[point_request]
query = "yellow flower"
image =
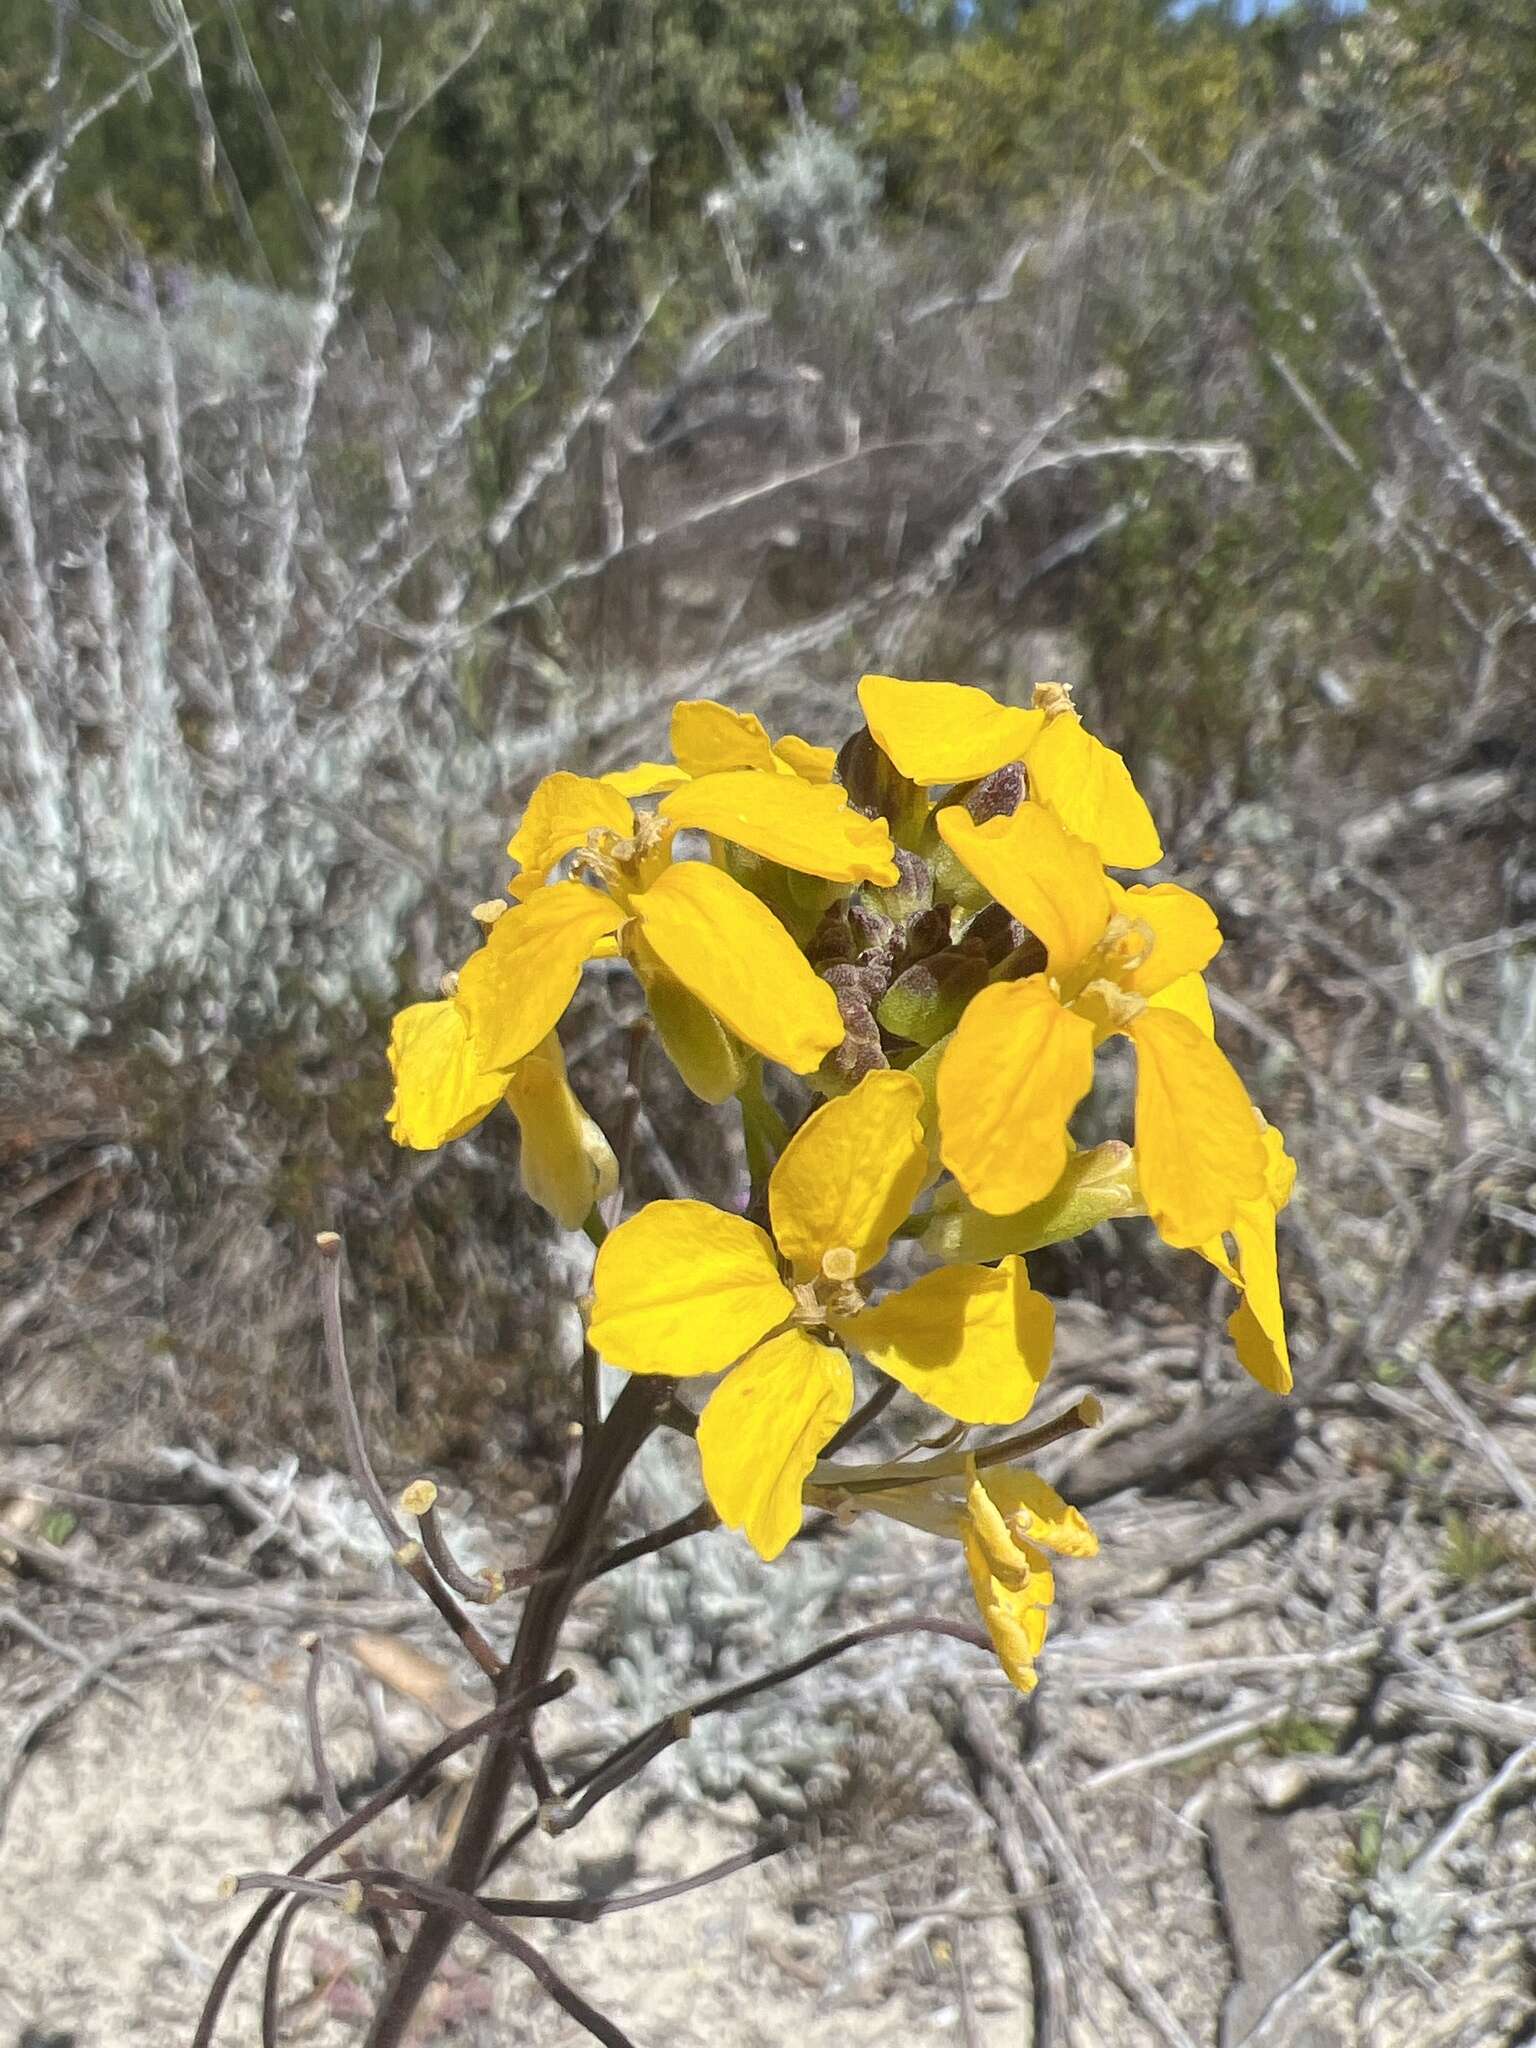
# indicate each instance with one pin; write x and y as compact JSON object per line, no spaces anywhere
{"x":711,"y":739}
{"x":949,"y":732}
{"x":684,"y":1288}
{"x":689,"y":929}
{"x":567,"y":1164}
{"x":1005,"y":1518}
{"x":1021,"y":1059}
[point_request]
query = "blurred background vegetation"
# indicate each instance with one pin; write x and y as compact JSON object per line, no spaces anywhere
{"x":399,"y":398}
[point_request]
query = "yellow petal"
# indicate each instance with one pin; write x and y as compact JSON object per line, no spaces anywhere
{"x":1098,"y":1184}
{"x":1050,"y":881}
{"x":736,"y":957}
{"x":1257,"y":1325}
{"x":696,"y":1042}
{"x":1036,"y":1512}
{"x":560,"y":813}
{"x":440,"y":1090}
{"x":1187,"y":997}
{"x":1015,"y":1070}
{"x":945,"y":732}
{"x":1279,"y":1168}
{"x":850,"y":1174}
{"x":567,"y":1164}
{"x":1090,"y":789}
{"x":1198,"y":1149}
{"x":646,"y":778}
{"x":762,"y":1431}
{"x":806,"y":826}
{"x":709,"y":737}
{"x":1014,"y":1613}
{"x":973,"y":1341}
{"x":514,"y":991}
{"x":681,"y":1287}
{"x":811,"y":764}
{"x":1185,"y":934}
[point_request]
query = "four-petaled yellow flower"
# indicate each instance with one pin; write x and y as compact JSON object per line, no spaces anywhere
{"x":683,"y":1288}
{"x":1021,"y":1059}
{"x":688,"y":928}
{"x":1006,"y":1519}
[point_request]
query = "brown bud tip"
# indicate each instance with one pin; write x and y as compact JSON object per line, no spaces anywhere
{"x":682,"y":1724}
{"x":1090,"y":1411}
{"x":419,"y":1498}
{"x":999,"y":794}
{"x":552,"y":1819}
{"x":327,"y":1243}
{"x":227,"y":1887}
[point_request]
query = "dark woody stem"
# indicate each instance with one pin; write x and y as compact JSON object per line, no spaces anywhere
{"x":564,"y":1567}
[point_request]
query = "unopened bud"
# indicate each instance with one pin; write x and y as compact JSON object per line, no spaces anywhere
{"x":999,"y":794}
{"x":929,"y":999}
{"x":927,"y":932}
{"x":877,"y":788}
{"x":911,"y":892}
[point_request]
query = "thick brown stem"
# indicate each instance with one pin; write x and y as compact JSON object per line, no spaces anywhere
{"x":564,"y":1567}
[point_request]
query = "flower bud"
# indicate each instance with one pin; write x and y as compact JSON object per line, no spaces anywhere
{"x":911,"y":893}
{"x":926,"y":932}
{"x":861,"y":1051}
{"x":876,"y":788}
{"x":953,"y":882}
{"x":1097,"y":1185}
{"x":929,"y":998}
{"x":999,"y":794}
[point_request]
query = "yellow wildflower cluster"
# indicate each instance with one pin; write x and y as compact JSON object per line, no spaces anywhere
{"x":923,"y":927}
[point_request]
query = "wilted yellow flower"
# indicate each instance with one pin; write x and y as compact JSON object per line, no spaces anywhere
{"x":683,"y":1288}
{"x":440,"y":1094}
{"x":1117,"y":961}
{"x":1006,"y":1519}
{"x":950,"y":732}
{"x":686,"y":926}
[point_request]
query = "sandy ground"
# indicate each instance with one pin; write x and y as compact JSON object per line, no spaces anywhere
{"x":123,"y":1827}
